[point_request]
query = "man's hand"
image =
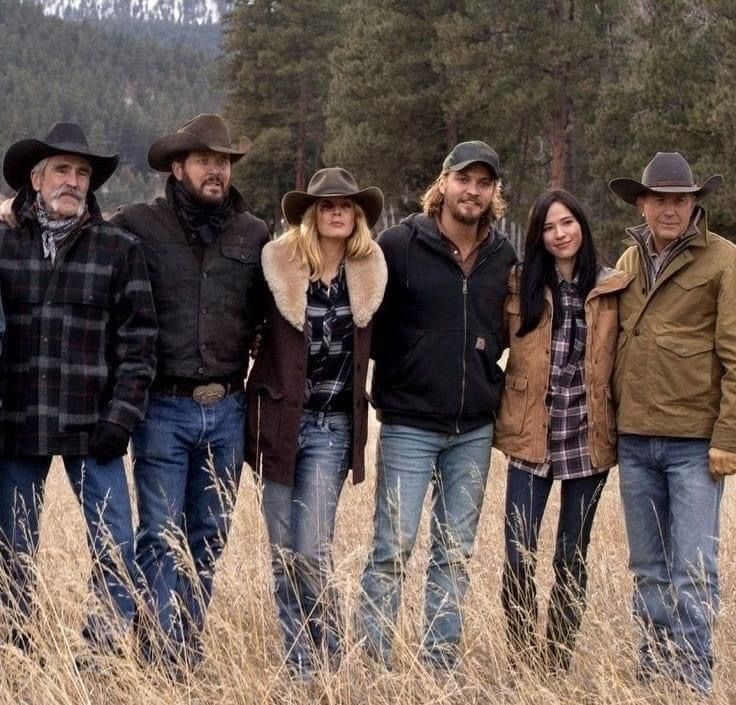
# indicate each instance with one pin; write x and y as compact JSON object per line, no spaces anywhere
{"x":722,"y":463}
{"x":108,"y":441}
{"x":6,"y":213}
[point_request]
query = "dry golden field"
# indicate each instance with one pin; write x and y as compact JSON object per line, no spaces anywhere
{"x":244,"y":657}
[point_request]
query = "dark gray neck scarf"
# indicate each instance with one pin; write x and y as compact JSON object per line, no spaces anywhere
{"x":54,"y":233}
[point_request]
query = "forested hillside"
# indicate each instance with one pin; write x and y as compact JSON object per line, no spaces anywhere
{"x":125,"y":91}
{"x":570,"y":93}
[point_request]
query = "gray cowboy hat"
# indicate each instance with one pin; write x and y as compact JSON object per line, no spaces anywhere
{"x":63,"y":138}
{"x":668,"y":172}
{"x":206,"y":132}
{"x":333,"y":182}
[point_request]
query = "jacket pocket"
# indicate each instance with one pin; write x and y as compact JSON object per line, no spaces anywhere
{"x":683,"y":369}
{"x":86,"y":381}
{"x":513,"y":405}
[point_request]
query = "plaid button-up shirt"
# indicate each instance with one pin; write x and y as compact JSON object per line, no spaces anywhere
{"x":80,"y":339}
{"x":567,"y":441}
{"x":329,"y":383}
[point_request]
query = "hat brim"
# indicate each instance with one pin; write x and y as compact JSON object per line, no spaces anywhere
{"x":23,"y":155}
{"x":164,"y":150}
{"x":629,"y":189}
{"x":295,"y":203}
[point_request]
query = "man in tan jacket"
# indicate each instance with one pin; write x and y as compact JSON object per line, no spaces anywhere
{"x":675,"y":386}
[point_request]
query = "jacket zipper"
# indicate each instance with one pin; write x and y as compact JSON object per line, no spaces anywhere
{"x":479,"y":262}
{"x":465,"y":345}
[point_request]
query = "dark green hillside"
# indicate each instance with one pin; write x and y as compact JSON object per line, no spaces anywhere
{"x":125,"y":91}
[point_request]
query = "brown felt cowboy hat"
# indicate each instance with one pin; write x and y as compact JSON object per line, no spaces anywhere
{"x":206,"y":132}
{"x":63,"y":138}
{"x":333,"y":182}
{"x":668,"y":172}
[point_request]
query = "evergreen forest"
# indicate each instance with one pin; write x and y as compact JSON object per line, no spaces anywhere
{"x":570,"y":93}
{"x":125,"y":88}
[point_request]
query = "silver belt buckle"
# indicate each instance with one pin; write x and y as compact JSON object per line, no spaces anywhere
{"x":208,"y":394}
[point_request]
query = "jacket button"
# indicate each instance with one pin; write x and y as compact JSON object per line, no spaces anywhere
{"x":636,"y":331}
{"x":204,"y":275}
{"x":204,"y":309}
{"x":201,"y":370}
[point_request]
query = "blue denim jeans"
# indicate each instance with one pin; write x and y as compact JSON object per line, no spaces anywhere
{"x":188,"y":462}
{"x":672,"y":512}
{"x":526,"y":499}
{"x":409,"y":461}
{"x":102,"y":491}
{"x":301,"y":524}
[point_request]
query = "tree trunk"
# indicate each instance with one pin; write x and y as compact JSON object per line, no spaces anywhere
{"x":301,"y":137}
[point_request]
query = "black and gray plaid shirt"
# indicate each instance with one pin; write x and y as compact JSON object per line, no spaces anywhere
{"x":567,"y":441}
{"x":81,"y":335}
{"x":329,"y":383}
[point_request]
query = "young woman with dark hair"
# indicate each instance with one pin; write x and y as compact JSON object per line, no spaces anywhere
{"x":556,"y":420}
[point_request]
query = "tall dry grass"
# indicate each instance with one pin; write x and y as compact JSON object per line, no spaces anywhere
{"x":244,"y":662}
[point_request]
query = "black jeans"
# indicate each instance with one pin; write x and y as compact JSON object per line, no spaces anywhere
{"x":526,"y":499}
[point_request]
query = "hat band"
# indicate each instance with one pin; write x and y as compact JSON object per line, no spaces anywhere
{"x":670,"y":183}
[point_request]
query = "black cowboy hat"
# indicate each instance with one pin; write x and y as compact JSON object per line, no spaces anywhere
{"x":63,"y":138}
{"x":333,"y":182}
{"x":668,"y":172}
{"x":206,"y":132}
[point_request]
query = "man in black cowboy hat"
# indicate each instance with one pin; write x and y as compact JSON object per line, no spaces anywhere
{"x":202,"y":249}
{"x":675,"y":385}
{"x":77,"y":361}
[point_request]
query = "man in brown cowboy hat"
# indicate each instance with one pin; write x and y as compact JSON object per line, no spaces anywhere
{"x":77,"y":360}
{"x":675,"y":385}
{"x":203,"y":252}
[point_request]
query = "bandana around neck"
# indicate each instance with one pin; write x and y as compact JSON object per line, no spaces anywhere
{"x":54,"y":232}
{"x":205,"y":221}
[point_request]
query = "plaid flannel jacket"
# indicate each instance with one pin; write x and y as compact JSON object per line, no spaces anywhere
{"x":80,"y":339}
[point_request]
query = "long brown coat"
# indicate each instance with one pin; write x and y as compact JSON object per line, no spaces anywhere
{"x":275,"y":389}
{"x":521,"y":426}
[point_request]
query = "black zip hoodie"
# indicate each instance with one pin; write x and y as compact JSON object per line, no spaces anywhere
{"x":438,"y":334}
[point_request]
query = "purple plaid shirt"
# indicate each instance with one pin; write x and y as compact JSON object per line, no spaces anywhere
{"x":567,"y":440}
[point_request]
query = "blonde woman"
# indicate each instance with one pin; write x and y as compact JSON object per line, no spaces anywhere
{"x":307,"y":408}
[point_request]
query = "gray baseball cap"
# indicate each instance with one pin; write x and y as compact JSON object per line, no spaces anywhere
{"x":467,"y":153}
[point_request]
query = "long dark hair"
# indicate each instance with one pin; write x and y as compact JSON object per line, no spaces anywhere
{"x":538,"y":270}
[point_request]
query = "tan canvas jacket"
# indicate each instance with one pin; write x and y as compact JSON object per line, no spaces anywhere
{"x":521,"y":426}
{"x":675,"y":369}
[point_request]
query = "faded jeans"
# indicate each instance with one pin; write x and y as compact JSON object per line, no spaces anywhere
{"x":409,"y":461}
{"x":102,"y":491}
{"x":301,"y":524}
{"x":188,"y":462}
{"x":672,"y":512}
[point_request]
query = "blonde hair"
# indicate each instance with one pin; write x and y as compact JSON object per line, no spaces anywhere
{"x":432,"y":200}
{"x":304,"y":240}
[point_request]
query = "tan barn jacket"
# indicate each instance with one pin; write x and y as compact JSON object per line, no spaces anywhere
{"x":521,"y":426}
{"x":675,"y":369}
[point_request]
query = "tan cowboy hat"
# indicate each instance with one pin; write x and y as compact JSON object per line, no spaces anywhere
{"x":205,"y":132}
{"x":333,"y":182}
{"x":668,"y":172}
{"x":63,"y":138}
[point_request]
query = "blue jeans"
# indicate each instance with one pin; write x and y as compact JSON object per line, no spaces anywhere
{"x":526,"y":499}
{"x":188,"y":462}
{"x":301,"y":524}
{"x":102,"y":491}
{"x":409,"y":460}
{"x":672,"y":512}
